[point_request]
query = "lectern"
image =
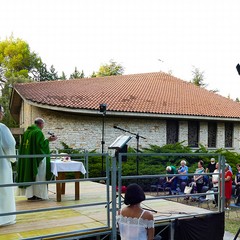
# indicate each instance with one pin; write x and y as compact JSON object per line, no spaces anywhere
{"x":120,"y":145}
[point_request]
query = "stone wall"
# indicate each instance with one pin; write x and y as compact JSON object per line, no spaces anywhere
{"x":220,"y":135}
{"x":79,"y":131}
{"x":183,"y":132}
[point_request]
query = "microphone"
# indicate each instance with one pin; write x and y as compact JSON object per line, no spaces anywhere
{"x":51,"y":134}
{"x":116,"y":127}
{"x":151,"y":210}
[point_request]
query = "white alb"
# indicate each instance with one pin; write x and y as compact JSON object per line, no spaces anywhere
{"x":134,"y":228}
{"x":7,"y":200}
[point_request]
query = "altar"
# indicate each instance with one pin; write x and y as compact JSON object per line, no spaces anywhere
{"x":59,"y":168}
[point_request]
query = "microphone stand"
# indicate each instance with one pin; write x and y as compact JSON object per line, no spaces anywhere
{"x":146,"y":207}
{"x":137,"y":137}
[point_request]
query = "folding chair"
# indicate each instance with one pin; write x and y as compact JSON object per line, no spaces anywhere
{"x":159,"y":186}
{"x":205,"y":198}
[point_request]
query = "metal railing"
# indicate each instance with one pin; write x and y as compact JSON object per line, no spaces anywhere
{"x":112,"y":178}
{"x":77,"y":157}
{"x":117,"y":174}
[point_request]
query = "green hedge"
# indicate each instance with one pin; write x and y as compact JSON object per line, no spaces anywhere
{"x":157,"y":165}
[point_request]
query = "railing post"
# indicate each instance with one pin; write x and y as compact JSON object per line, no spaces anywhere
{"x":222,"y":184}
{"x":86,"y":159}
{"x":114,"y":200}
{"x":172,"y":230}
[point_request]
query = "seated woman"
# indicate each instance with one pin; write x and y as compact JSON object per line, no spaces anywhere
{"x":182,"y":170}
{"x":134,"y":222}
{"x":171,"y":182}
{"x":198,"y":179}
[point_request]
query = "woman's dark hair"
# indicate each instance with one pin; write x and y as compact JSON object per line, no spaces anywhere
{"x":134,"y":194}
{"x":201,"y":162}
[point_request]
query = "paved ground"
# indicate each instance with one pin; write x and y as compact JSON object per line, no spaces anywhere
{"x":229,"y":236}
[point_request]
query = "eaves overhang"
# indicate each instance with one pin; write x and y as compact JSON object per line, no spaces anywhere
{"x":15,"y":104}
{"x":132,"y":114}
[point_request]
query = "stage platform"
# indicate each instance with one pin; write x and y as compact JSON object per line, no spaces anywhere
{"x":37,"y":224}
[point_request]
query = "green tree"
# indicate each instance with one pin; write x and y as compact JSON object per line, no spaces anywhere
{"x":63,"y":76}
{"x":53,"y":73}
{"x":93,"y":75}
{"x":43,"y":74}
{"x":113,"y":68}
{"x":198,"y":78}
{"x":17,"y":60}
{"x":2,"y":77}
{"x":19,"y":64}
{"x":76,"y":74}
{"x":5,"y":98}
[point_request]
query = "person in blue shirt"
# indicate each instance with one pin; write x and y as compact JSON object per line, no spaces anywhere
{"x":182,"y":170}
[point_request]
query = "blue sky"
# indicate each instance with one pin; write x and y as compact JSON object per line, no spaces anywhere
{"x":143,"y":36}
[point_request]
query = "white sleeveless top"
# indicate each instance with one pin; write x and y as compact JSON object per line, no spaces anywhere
{"x":134,"y":228}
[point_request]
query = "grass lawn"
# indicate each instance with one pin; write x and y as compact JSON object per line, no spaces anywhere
{"x":232,"y":221}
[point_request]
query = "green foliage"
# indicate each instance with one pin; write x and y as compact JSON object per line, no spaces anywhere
{"x":169,"y":148}
{"x":151,"y":165}
{"x":43,"y":74}
{"x":231,"y":157}
{"x":202,"y":149}
{"x":19,"y":64}
{"x":16,"y":58}
{"x":63,"y":76}
{"x":93,"y":75}
{"x":198,"y":78}
{"x":76,"y":74}
{"x":232,"y":223}
{"x":5,"y":98}
{"x":110,"y":69}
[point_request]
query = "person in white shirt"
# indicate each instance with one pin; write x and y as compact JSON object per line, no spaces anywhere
{"x":215,"y":179}
{"x":134,"y":222}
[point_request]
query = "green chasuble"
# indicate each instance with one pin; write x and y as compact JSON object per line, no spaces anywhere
{"x":33,"y":142}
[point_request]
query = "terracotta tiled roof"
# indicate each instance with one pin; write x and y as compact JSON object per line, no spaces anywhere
{"x":158,"y":93}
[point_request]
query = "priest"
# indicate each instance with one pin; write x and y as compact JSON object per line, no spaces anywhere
{"x":7,"y":148}
{"x":34,"y":169}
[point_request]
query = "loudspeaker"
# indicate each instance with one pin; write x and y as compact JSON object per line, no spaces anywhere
{"x":103,"y":107}
{"x":238,"y":68}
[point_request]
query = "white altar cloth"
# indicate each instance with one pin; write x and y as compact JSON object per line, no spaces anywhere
{"x":72,"y":166}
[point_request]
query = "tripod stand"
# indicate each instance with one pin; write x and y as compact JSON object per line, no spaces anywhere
{"x":103,"y":109}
